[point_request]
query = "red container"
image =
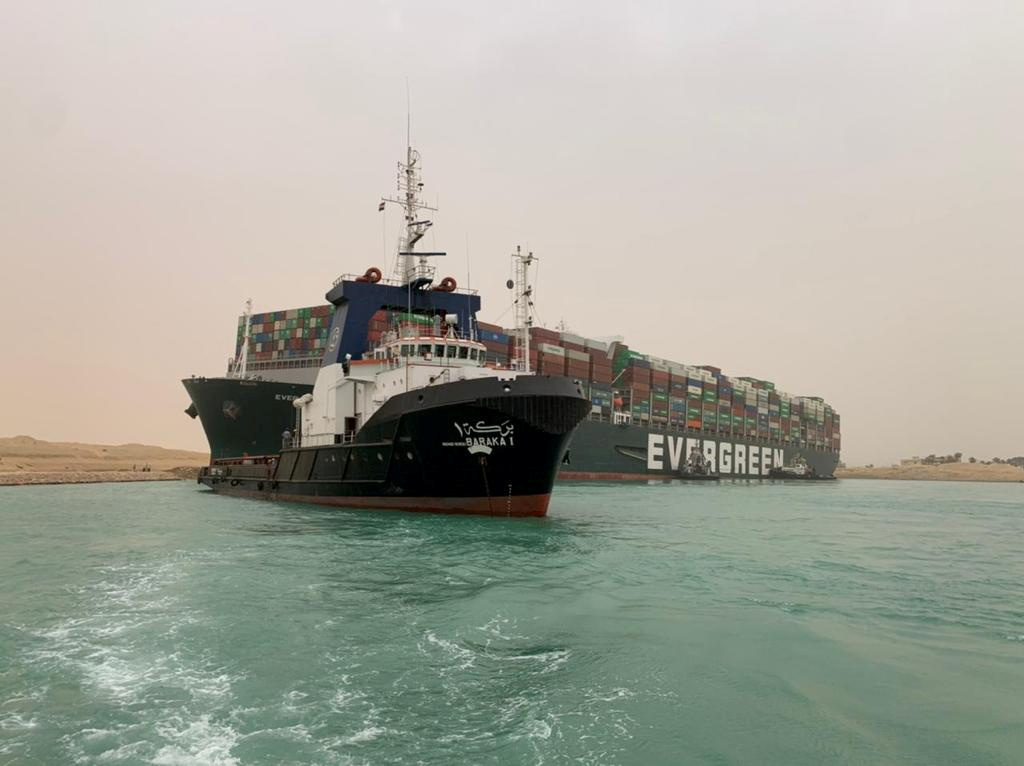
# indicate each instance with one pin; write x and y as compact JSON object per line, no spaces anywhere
{"x":545,"y":336}
{"x":636,"y":375}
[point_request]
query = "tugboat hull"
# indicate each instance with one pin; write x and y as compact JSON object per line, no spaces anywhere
{"x":485,"y":446}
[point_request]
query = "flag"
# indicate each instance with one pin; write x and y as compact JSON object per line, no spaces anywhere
{"x":380,"y":207}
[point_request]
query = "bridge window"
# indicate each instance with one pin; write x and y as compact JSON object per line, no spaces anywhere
{"x":453,"y":351}
{"x":463,"y":352}
{"x":439,"y":351}
{"x":406,"y":349}
{"x":423,"y":350}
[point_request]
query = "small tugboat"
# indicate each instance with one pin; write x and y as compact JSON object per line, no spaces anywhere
{"x":420,"y":422}
{"x":697,"y":467}
{"x":798,"y":470}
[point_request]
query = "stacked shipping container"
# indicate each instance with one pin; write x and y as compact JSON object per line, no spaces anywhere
{"x":286,"y":337}
{"x":655,"y":392}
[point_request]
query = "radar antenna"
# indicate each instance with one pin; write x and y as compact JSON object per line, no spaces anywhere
{"x":412,"y":267}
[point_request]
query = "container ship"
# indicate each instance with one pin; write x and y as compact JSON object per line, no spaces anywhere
{"x":647,"y":415}
{"x":413,"y":419}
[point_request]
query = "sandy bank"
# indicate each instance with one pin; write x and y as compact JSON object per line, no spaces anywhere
{"x":23,"y":454}
{"x":20,"y":478}
{"x":24,"y":460}
{"x":948,"y":472}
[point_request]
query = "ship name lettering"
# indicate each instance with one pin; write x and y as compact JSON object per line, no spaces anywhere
{"x":490,"y":441}
{"x":741,"y":458}
{"x":655,"y":451}
{"x":725,"y":457}
{"x":665,"y":452}
{"x":675,"y":452}
{"x":711,"y":455}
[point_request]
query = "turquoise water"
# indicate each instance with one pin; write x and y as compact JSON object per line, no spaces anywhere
{"x":855,"y":623}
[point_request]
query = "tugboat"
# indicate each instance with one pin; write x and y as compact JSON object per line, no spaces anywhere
{"x":798,"y":470}
{"x":420,"y":422}
{"x":697,"y":467}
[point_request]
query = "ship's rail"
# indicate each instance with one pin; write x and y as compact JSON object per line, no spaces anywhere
{"x":391,"y":282}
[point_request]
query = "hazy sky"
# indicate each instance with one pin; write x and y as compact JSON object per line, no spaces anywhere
{"x":828,"y":195}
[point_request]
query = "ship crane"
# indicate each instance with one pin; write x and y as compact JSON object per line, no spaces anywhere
{"x":240,"y":365}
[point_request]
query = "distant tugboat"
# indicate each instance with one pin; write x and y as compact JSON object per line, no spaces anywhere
{"x":697,"y":467}
{"x":799,"y":470}
{"x":421,"y":422}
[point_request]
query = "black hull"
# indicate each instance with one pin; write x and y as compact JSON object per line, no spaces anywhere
{"x":244,"y":417}
{"x":599,"y":450}
{"x":781,"y":476}
{"x":463,"y":447}
{"x":603,"y":451}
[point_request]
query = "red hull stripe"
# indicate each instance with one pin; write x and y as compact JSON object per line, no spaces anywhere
{"x":609,"y":476}
{"x":518,"y":505}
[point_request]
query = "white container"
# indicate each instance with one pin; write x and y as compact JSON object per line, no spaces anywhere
{"x":549,"y":348}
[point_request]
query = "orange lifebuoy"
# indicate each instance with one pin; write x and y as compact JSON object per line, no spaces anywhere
{"x":448,"y":285}
{"x":373,"y":275}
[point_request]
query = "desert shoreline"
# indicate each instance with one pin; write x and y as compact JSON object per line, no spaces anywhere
{"x":42,"y":478}
{"x":28,"y":461}
{"x":947,"y":472}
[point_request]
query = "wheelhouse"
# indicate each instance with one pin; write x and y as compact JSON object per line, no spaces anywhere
{"x":450,"y":351}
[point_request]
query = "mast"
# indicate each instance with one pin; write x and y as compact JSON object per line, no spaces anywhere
{"x":240,"y":367}
{"x":412,"y":266}
{"x":523,"y":303}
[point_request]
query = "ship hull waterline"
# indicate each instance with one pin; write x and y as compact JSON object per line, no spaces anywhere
{"x":466,"y":447}
{"x":598,"y":451}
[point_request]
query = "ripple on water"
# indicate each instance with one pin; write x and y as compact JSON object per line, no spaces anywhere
{"x":637,"y":625}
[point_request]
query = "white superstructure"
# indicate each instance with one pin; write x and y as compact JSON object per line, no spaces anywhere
{"x":343,"y":400}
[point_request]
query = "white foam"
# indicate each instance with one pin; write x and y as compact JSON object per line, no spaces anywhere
{"x":16,"y":722}
{"x":367,"y":734}
{"x":196,"y":743}
{"x":343,"y":697}
{"x":457,"y":652}
{"x":610,"y":696}
{"x":551,"y":660}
